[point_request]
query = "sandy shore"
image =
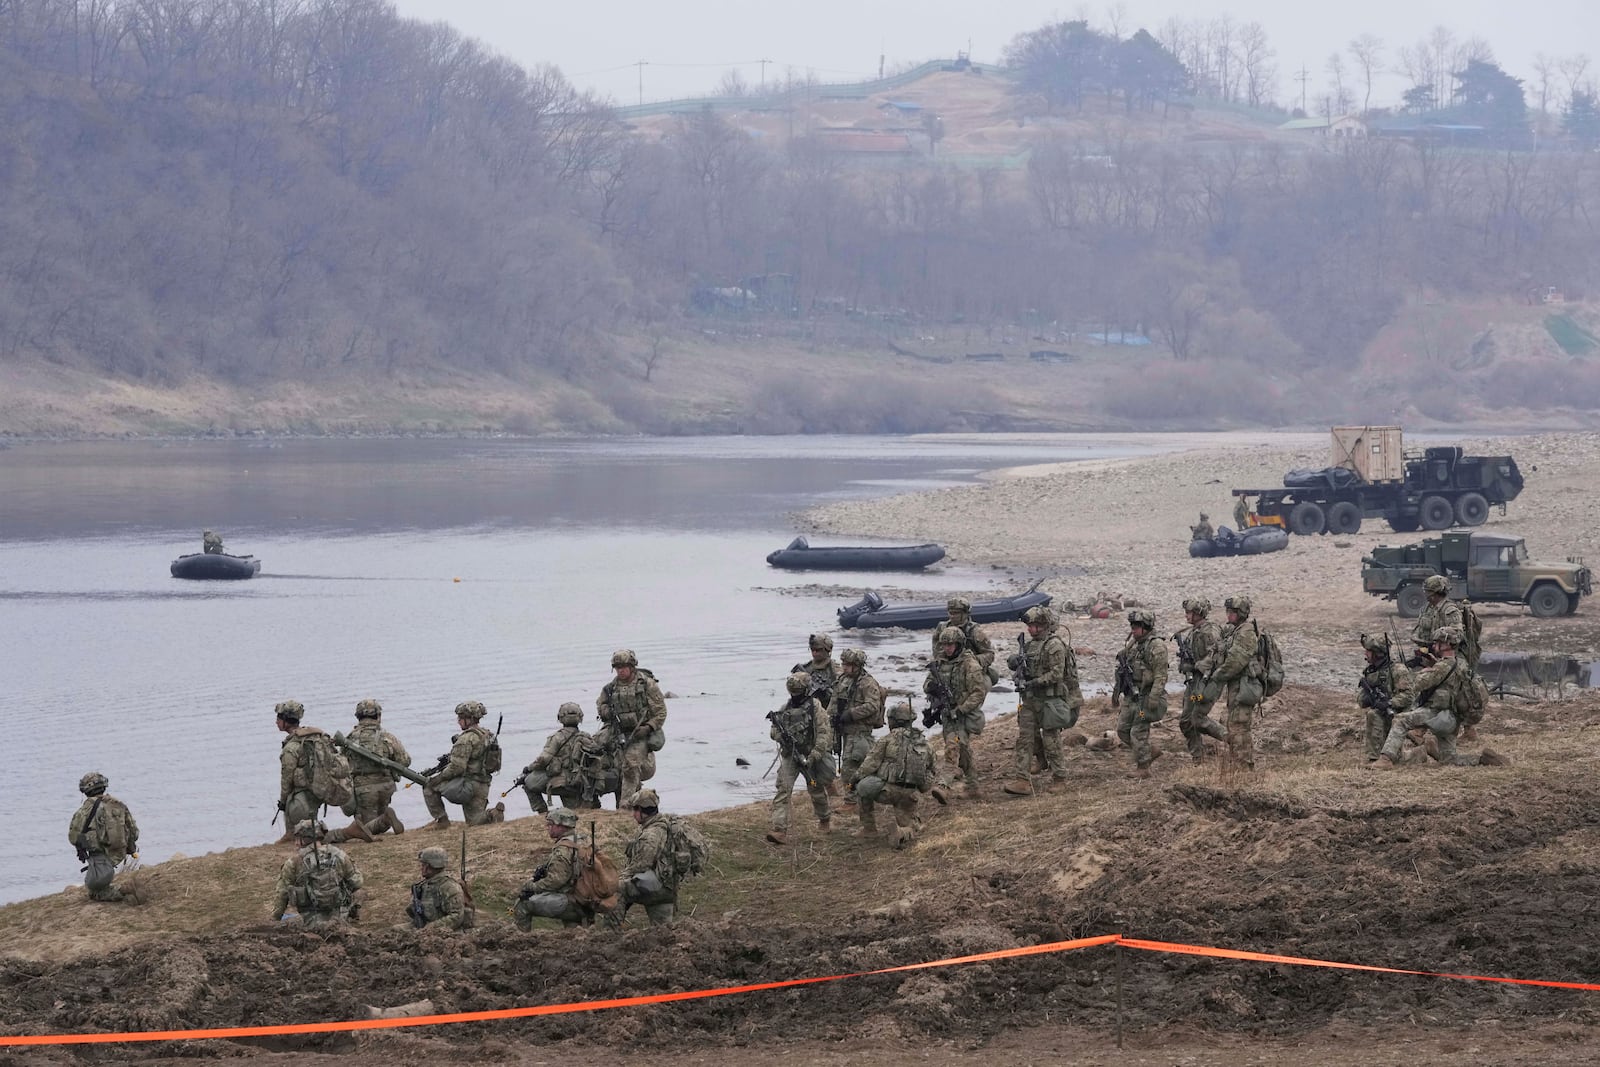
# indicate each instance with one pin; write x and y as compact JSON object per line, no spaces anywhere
{"x":1122,"y":526}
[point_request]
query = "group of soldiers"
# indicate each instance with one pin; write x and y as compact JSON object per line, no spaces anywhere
{"x":825,"y":733}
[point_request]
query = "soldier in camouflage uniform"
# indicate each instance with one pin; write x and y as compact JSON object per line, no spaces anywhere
{"x":1202,"y":530}
{"x":857,"y":711}
{"x":805,"y":741}
{"x":1049,"y":697}
{"x":548,"y":894}
{"x":1143,"y":664}
{"x":1440,"y":612}
{"x":439,"y":898}
{"x":1199,"y":646}
{"x":319,"y":880}
{"x":210,"y":543}
{"x":1241,"y":514}
{"x":466,"y":775}
{"x":632,"y":708}
{"x":648,"y":875}
{"x":896,"y":772}
{"x":1385,"y":691}
{"x":295,"y":798}
{"x":959,"y":609}
{"x":374,"y":783}
{"x":1234,"y":674}
{"x":956,"y":687}
{"x":560,"y":770}
{"x":104,"y":833}
{"x":1435,"y":688}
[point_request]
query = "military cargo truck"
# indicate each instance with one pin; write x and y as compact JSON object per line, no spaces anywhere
{"x":1482,"y":568}
{"x":1369,"y":476}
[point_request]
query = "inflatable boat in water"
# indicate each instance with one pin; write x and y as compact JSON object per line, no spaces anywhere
{"x":215,"y":566}
{"x":799,"y":555}
{"x":870,"y":611}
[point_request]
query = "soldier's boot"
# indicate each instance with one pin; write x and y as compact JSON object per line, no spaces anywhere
{"x":868,"y":827}
{"x":1036,"y":765}
{"x":1018,"y":787}
{"x":357,"y":830}
{"x":897,"y":838}
{"x":109,"y":895}
{"x":393,"y":819}
{"x":1382,"y":763}
{"x":497,"y":813}
{"x":777,"y":837}
{"x":1490,"y":758}
{"x":1055,"y":785}
{"x":1431,"y":745}
{"x":941,"y":794}
{"x":441,"y":823}
{"x":825,"y":824}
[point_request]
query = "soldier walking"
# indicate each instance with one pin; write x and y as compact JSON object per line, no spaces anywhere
{"x":634,"y":711}
{"x":1141,"y":688}
{"x":1049,"y":698}
{"x":104,"y":833}
{"x":956,"y":686}
{"x":805,"y":739}
{"x":464,"y":778}
{"x":1199,"y":645}
{"x":896,"y":772}
{"x":857,"y":712}
{"x":319,"y":880}
{"x":373,"y":783}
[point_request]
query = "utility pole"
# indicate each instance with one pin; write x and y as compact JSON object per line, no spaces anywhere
{"x":1302,"y":76}
{"x":763,"y":63}
{"x":641,"y":64}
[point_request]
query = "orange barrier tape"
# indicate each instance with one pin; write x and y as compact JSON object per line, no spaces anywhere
{"x":1301,"y":961}
{"x":542,"y":1009}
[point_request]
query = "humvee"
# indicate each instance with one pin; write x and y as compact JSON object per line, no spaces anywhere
{"x":1482,"y":568}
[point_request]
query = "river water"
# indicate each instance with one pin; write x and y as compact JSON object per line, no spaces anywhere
{"x":422,"y":573}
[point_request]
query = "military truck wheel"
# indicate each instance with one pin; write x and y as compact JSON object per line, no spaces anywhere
{"x":1306,"y":518}
{"x":1436,"y":513}
{"x":1410,"y":600}
{"x":1407,"y":524}
{"x":1472,"y":509}
{"x":1547,"y":601}
{"x":1344,"y":518}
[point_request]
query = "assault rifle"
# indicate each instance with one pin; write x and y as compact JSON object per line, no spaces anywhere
{"x":1184,"y":639}
{"x":788,"y":745}
{"x":418,"y":918}
{"x":940,"y":700}
{"x":422,"y":778}
{"x":1376,"y":697}
{"x":88,"y":825}
{"x":819,"y":689}
{"x":341,"y":741}
{"x":1124,"y":684}
{"x":1021,"y":672}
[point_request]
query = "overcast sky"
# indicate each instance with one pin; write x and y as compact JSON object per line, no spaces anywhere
{"x":689,"y":44}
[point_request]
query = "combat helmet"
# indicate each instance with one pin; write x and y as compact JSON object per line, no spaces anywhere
{"x":310,"y":829}
{"x":1378,"y":643}
{"x":569,"y":714}
{"x":624,"y":657}
{"x":93,"y":784}
{"x":1200,"y":605}
{"x":1449,"y":635}
{"x":901,"y":713}
{"x":958,"y":605}
{"x":821,"y":641}
{"x":563,"y":817}
{"x":1038,"y":615}
{"x":471,"y":709}
{"x":289,"y":710}
{"x":1436,"y":583}
{"x":1141,"y":617}
{"x":1239,"y":605}
{"x":645,"y":799}
{"x":952,"y":635}
{"x":434,"y":857}
{"x":853,"y":657}
{"x":799,"y":682}
{"x":369,"y":709}
{"x":1204,"y":517}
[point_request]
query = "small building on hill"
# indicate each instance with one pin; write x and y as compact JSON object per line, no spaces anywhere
{"x":1341,"y":126}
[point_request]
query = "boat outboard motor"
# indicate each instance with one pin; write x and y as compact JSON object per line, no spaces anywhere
{"x":870,"y":601}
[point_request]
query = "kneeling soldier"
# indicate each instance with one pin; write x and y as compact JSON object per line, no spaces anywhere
{"x":548,"y":894}
{"x":319,"y":880}
{"x":896,"y":772}
{"x":104,"y":833}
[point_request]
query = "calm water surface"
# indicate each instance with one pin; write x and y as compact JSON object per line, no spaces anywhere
{"x":422,"y":573}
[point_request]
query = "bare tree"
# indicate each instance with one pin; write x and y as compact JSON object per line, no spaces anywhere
{"x":1544,"y":76}
{"x":1367,"y":51}
{"x":1338,"y":102}
{"x":1255,"y":63}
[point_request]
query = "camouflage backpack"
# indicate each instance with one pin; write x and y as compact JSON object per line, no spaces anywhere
{"x":1471,"y":632}
{"x":597,"y":878}
{"x":688,"y":851}
{"x":1268,"y":663}
{"x":493,"y":757}
{"x":1471,"y":699}
{"x":328,"y":770}
{"x":909,"y":761}
{"x":323,"y":889}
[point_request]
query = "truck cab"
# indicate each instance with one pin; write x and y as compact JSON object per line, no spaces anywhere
{"x":1482,"y":568}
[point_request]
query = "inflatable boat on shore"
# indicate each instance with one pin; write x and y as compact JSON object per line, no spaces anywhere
{"x":1252,"y":542}
{"x":870,"y":611}
{"x":215,"y":566}
{"x":799,"y":555}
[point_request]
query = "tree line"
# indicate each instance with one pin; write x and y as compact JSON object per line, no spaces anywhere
{"x":260,"y":189}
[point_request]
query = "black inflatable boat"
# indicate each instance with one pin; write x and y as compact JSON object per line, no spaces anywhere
{"x":799,"y":555}
{"x":215,"y":566}
{"x":1252,"y":542}
{"x":870,"y":611}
